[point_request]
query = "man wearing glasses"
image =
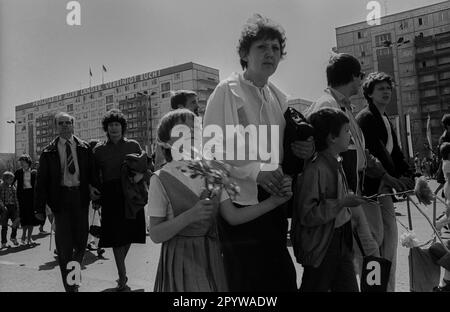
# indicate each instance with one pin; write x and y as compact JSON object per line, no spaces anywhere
{"x":62,"y":182}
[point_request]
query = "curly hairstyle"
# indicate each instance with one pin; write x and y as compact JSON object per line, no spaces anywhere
{"x":373,"y":79}
{"x":341,"y":69}
{"x":26,"y":158}
{"x":114,"y":115}
{"x":326,"y":121}
{"x":167,"y":123}
{"x":256,"y":28}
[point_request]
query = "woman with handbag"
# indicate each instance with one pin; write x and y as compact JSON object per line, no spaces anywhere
{"x":117,"y":230}
{"x":255,"y":253}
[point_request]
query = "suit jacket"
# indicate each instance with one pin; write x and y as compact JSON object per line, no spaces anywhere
{"x":19,"y":176}
{"x":48,"y":180}
{"x":375,"y":135}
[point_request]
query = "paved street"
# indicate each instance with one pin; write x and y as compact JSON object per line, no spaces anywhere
{"x":35,"y":269}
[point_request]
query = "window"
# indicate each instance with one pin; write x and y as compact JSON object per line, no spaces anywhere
{"x":135,"y":86}
{"x":431,"y":92}
{"x":109,"y":99}
{"x":165,"y":86}
{"x":384,"y":52}
{"x":30,"y":116}
{"x":177,"y":76}
{"x":404,"y":24}
{"x":359,"y":35}
{"x":383,"y":40}
{"x":165,"y":95}
{"x":420,"y":21}
{"x":127,"y":88}
{"x":154,"y":82}
{"x":70,"y":108}
{"x":144,"y":84}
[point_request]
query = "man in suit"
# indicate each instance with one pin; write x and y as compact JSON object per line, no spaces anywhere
{"x":64,"y":174}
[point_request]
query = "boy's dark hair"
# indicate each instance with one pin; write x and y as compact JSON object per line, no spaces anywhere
{"x":26,"y":158}
{"x":180,"y":97}
{"x":446,"y":120}
{"x":372,"y":80}
{"x":114,"y":115}
{"x":445,"y":150}
{"x":341,"y":69}
{"x":166,"y":124}
{"x":256,"y":28}
{"x":326,"y":121}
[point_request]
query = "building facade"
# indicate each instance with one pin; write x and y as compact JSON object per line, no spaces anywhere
{"x":414,"y":48}
{"x":144,"y":98}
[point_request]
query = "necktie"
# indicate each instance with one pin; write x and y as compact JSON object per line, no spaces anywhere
{"x":70,"y":163}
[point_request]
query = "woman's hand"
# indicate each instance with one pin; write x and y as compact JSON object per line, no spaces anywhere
{"x":286,"y":191}
{"x":271,"y":181}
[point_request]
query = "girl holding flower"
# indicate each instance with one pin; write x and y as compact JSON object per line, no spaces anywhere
{"x":183,"y":218}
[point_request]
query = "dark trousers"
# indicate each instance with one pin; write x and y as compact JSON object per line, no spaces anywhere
{"x":255,"y":253}
{"x":10,"y":214}
{"x":336,"y":272}
{"x":71,"y":231}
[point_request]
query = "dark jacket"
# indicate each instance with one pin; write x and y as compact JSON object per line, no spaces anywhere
{"x":48,"y":181}
{"x":445,"y":137}
{"x":18,"y":176}
{"x":375,"y":135}
{"x":316,"y":206}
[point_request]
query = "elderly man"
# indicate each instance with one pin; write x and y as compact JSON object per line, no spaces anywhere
{"x":62,"y":182}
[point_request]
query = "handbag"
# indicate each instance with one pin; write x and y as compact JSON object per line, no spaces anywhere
{"x":297,"y":129}
{"x":95,"y":230}
{"x":375,"y":271}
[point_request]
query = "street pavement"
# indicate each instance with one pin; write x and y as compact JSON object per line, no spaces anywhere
{"x":30,"y":269}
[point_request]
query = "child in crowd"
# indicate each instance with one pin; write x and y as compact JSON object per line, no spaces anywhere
{"x":322,"y":230}
{"x":9,"y":207}
{"x":184,"y":220}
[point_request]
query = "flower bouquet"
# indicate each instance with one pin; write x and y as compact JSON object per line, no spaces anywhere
{"x":409,"y":240}
{"x":216,"y":176}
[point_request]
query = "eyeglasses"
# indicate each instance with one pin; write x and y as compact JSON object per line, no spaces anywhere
{"x":67,"y":123}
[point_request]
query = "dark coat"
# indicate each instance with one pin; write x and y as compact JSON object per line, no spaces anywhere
{"x":48,"y":181}
{"x":375,"y":135}
{"x":18,"y":176}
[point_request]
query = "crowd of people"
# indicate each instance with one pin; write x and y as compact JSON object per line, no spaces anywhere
{"x":215,"y":241}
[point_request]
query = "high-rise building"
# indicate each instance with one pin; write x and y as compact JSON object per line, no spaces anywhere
{"x":414,"y":48}
{"x":144,"y":99}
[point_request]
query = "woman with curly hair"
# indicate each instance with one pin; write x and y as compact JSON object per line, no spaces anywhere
{"x":26,"y":177}
{"x":255,"y":253}
{"x":117,"y":231}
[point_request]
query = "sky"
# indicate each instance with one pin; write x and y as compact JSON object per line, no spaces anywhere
{"x":42,"y":56}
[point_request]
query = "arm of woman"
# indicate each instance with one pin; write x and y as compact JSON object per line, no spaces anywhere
{"x":235,"y":216}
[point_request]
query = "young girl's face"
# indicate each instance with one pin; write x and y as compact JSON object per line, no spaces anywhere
{"x":343,"y":140}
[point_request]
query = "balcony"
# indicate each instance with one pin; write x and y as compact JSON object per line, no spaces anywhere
{"x":427,"y":84}
{"x":421,"y":41}
{"x":429,"y":69}
{"x":425,"y":55}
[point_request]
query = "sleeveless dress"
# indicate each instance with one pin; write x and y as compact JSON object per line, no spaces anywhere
{"x":191,"y":261}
